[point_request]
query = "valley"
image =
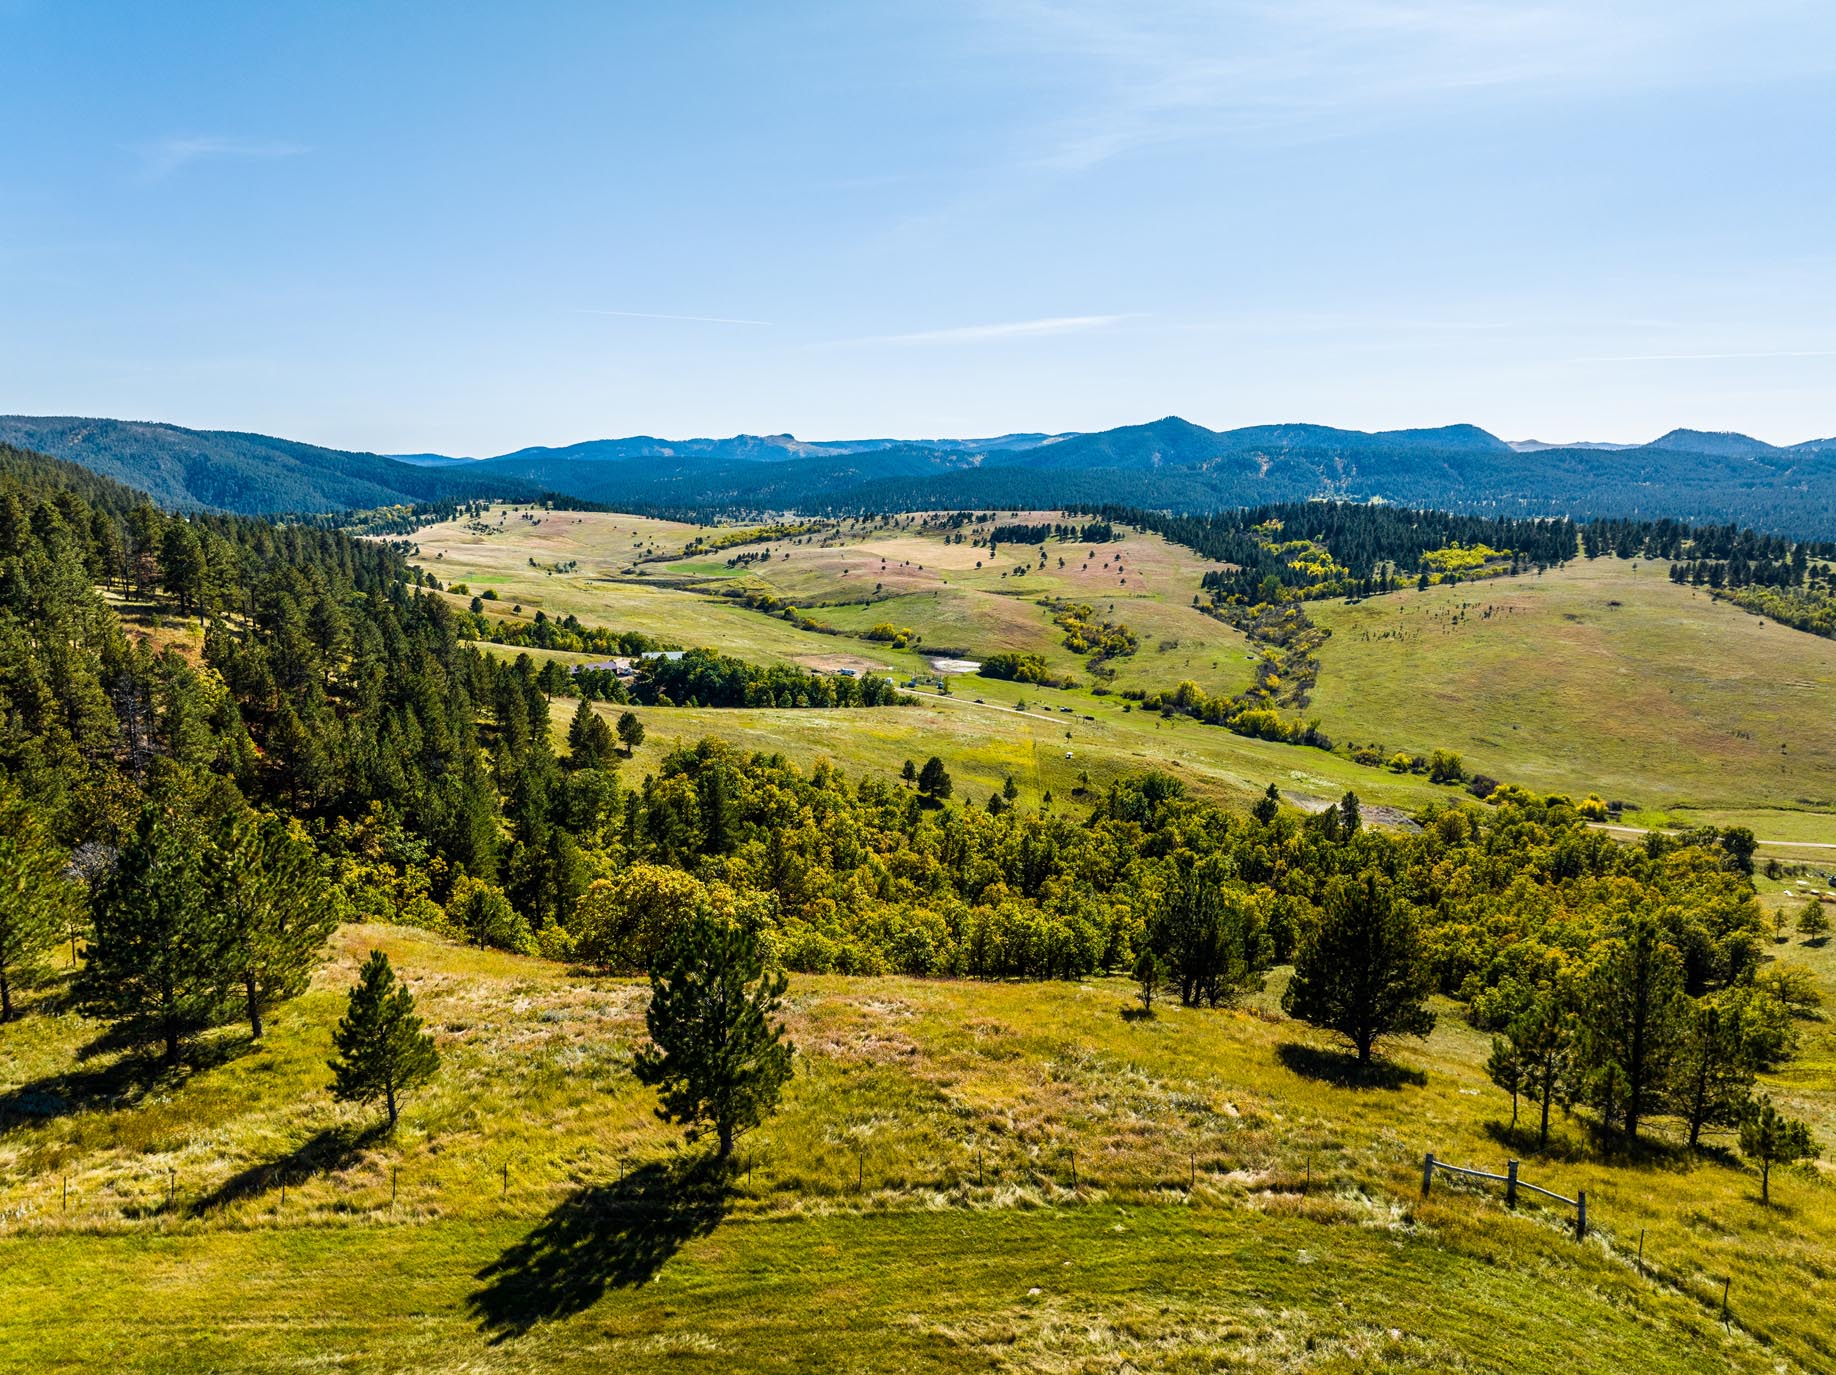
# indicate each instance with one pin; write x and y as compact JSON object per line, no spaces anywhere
{"x":1599,"y":677}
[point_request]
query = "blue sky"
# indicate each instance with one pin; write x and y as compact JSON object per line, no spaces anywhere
{"x":468,"y":228}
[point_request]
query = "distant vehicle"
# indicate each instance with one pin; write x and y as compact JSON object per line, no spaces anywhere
{"x":1066,"y":709}
{"x":980,"y":703}
{"x":1090,"y":718}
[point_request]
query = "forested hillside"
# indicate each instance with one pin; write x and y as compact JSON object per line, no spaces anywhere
{"x":334,"y":691}
{"x":1169,"y":464}
{"x":218,"y":470}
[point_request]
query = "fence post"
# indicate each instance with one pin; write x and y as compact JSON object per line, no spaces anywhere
{"x":392,"y":1174}
{"x":1580,"y":1214}
{"x":1192,"y":1171}
{"x":506,"y":1193}
{"x":980,"y":1161}
{"x":1308,"y":1186}
{"x":1641,"y":1250}
{"x":66,"y":1193}
{"x":1510,"y":1186}
{"x":1427,"y":1172}
{"x":1724,"y":1299}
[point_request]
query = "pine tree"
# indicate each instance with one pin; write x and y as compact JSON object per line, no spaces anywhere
{"x":1631,"y":1011}
{"x":1150,"y":974}
{"x":589,"y":739}
{"x":1714,"y":1069}
{"x":163,"y":959}
{"x":32,"y":895}
{"x":934,"y":779}
{"x":1813,"y":924}
{"x":1542,"y":1036}
{"x":1505,"y":1068}
{"x":1360,"y":970}
{"x":265,"y":882}
{"x":1268,"y":806}
{"x":382,"y":1051}
{"x":630,"y":732}
{"x":1771,"y":1139}
{"x":717,"y":1059}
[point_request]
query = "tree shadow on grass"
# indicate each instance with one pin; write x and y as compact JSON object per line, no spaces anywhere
{"x":1340,"y":1068}
{"x":1137,"y":1013}
{"x":603,"y":1236}
{"x":322,"y":1153}
{"x":120,"y":1082}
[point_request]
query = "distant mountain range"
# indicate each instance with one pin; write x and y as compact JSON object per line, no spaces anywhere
{"x":1687,"y":474}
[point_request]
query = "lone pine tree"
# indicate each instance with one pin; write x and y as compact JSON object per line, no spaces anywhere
{"x":1360,"y":970}
{"x":382,"y":1050}
{"x":717,"y":1058}
{"x":1769,"y":1138}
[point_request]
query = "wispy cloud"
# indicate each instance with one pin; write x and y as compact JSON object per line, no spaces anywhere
{"x":1709,"y":357}
{"x":165,"y":156}
{"x":1136,"y":73}
{"x":686,"y":319}
{"x":1010,"y":329}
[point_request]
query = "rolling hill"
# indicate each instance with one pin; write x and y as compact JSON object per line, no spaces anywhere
{"x":1171,"y":463}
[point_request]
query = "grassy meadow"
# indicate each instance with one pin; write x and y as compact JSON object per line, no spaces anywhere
{"x":964,"y":1175}
{"x":1601,"y":677}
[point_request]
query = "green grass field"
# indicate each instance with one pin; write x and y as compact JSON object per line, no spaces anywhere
{"x":1602,"y":677}
{"x":963,"y":1176}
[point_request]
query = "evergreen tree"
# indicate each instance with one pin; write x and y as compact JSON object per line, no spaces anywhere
{"x":1770,"y":1138}
{"x":1150,"y":974}
{"x":1541,"y":1037}
{"x":484,"y":916}
{"x":1813,"y":924}
{"x":630,"y":732}
{"x":32,"y":892}
{"x":589,"y":739}
{"x":164,"y":957}
{"x":1505,"y":1068}
{"x":934,"y":780}
{"x":716,"y":1057}
{"x":266,"y":883}
{"x":1360,"y":970}
{"x":1268,"y":806}
{"x":382,"y":1051}
{"x":1714,"y":1068}
{"x":1631,"y":1017}
{"x":910,"y":772}
{"x":1207,"y":933}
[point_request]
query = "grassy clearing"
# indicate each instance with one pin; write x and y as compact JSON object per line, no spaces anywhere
{"x":964,"y":1175}
{"x":1601,"y":677}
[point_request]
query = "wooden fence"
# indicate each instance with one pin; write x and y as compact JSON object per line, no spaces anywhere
{"x":1512,"y":1184}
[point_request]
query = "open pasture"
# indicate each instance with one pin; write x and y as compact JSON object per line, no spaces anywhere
{"x":1601,"y":677}
{"x":992,"y":1175}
